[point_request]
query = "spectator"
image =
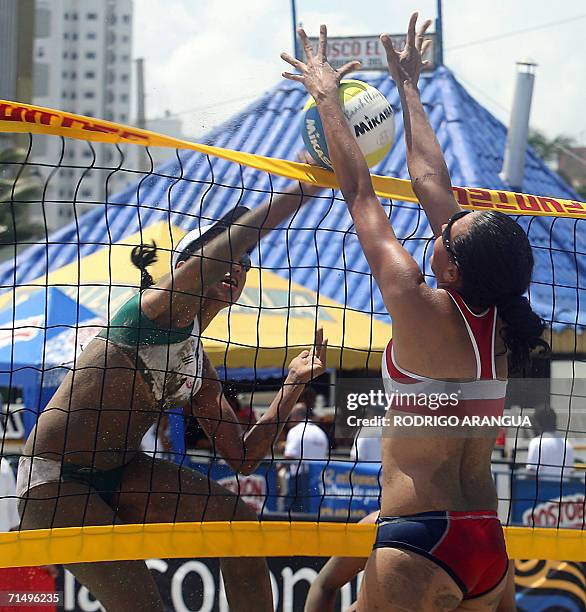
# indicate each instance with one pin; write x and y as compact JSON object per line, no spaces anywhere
{"x":306,"y":439}
{"x":367,"y":443}
{"x":366,"y":448}
{"x":550,"y":455}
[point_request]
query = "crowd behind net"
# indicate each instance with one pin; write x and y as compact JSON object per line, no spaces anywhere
{"x":59,"y":288}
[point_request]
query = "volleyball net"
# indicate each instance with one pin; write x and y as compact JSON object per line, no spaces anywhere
{"x":60,"y":289}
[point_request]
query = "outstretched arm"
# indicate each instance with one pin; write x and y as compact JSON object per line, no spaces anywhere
{"x":175,"y":299}
{"x":245,"y":450}
{"x":393,"y":268}
{"x":425,"y":160}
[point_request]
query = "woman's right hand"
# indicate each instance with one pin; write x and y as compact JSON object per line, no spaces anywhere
{"x":406,"y":65}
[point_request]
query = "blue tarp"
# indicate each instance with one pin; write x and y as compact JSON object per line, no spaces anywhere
{"x":320,"y":249}
{"x":38,"y":334}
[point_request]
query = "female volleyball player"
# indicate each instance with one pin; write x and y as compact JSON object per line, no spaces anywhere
{"x":439,"y":544}
{"x":82,"y":465}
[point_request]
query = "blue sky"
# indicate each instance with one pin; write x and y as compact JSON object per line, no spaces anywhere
{"x":207,"y":60}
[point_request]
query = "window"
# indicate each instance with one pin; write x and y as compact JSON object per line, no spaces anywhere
{"x":89,"y":94}
{"x":111,"y":38}
{"x":86,"y":193}
{"x":74,"y":75}
{"x":90,"y":75}
{"x":40,"y":52}
{"x":74,"y":55}
{"x":89,"y":113}
{"x":124,"y":97}
{"x":66,"y":18}
{"x":66,"y":36}
{"x":126,"y":18}
{"x":73,"y":95}
{"x":64,"y":94}
{"x":74,"y":36}
{"x":124,"y":78}
{"x":125,"y":58}
{"x":87,"y":154}
{"x":74,"y":16}
{"x":91,"y":35}
{"x":90,"y":55}
{"x":123,"y":117}
{"x":41,"y":79}
{"x":64,"y":74}
{"x":92,"y":16}
{"x":110,"y":77}
{"x":65,"y":54}
{"x":125,"y":38}
{"x":42,"y":23}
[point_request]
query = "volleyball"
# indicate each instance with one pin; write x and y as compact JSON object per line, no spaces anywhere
{"x":369,"y":115}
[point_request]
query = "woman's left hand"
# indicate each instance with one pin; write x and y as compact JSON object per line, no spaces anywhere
{"x":309,"y":364}
{"x":318,"y":77}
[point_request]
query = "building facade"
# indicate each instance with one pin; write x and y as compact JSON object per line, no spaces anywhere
{"x":82,"y":65}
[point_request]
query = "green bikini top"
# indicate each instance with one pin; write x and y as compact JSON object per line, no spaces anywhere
{"x":131,"y":327}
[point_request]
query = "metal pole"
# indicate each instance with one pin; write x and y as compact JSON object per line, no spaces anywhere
{"x":140,"y":95}
{"x":439,"y":36}
{"x":295,"y":41}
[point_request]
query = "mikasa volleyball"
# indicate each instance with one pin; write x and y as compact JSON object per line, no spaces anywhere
{"x":369,"y":115}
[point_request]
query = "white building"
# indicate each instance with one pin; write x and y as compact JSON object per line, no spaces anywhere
{"x":82,"y":65}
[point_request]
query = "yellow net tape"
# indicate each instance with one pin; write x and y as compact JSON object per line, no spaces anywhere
{"x":241,"y":539}
{"x":17,"y":117}
{"x":181,"y":540}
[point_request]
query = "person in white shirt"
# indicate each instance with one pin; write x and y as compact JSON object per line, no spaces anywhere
{"x":9,"y":518}
{"x":366,"y":449}
{"x":550,"y":455}
{"x":306,"y":440}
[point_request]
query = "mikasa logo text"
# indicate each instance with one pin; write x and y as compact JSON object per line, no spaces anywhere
{"x":372,"y":122}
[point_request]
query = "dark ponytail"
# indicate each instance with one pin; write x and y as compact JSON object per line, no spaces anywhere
{"x":142,"y":257}
{"x":496,"y":263}
{"x":522,"y":330}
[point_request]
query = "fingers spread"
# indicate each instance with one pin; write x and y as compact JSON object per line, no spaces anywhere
{"x":425,"y":46}
{"x":411,"y":29}
{"x":349,"y":67}
{"x":293,"y":76}
{"x":323,"y":42}
{"x":388,"y":45}
{"x":306,"y":44}
{"x":293,"y":61}
{"x":421,"y":34}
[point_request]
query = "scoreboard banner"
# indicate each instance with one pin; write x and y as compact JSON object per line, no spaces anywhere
{"x":368,"y":50}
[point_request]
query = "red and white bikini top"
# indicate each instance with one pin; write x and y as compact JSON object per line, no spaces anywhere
{"x":484,"y":396}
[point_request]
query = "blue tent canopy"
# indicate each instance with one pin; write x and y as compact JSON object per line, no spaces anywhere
{"x":39,"y":332}
{"x":320,"y":249}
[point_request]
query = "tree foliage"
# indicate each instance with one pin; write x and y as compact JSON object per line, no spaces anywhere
{"x":18,"y":188}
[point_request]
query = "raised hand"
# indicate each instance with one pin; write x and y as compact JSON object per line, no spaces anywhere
{"x":310,"y":364}
{"x":407,"y":65}
{"x":318,"y":77}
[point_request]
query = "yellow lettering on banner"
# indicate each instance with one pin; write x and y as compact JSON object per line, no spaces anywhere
{"x":17,"y":117}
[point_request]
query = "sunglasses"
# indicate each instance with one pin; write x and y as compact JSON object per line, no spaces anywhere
{"x":446,"y":234}
{"x":245,"y":262}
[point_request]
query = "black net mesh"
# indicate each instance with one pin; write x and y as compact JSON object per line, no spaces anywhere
{"x":111,"y":443}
